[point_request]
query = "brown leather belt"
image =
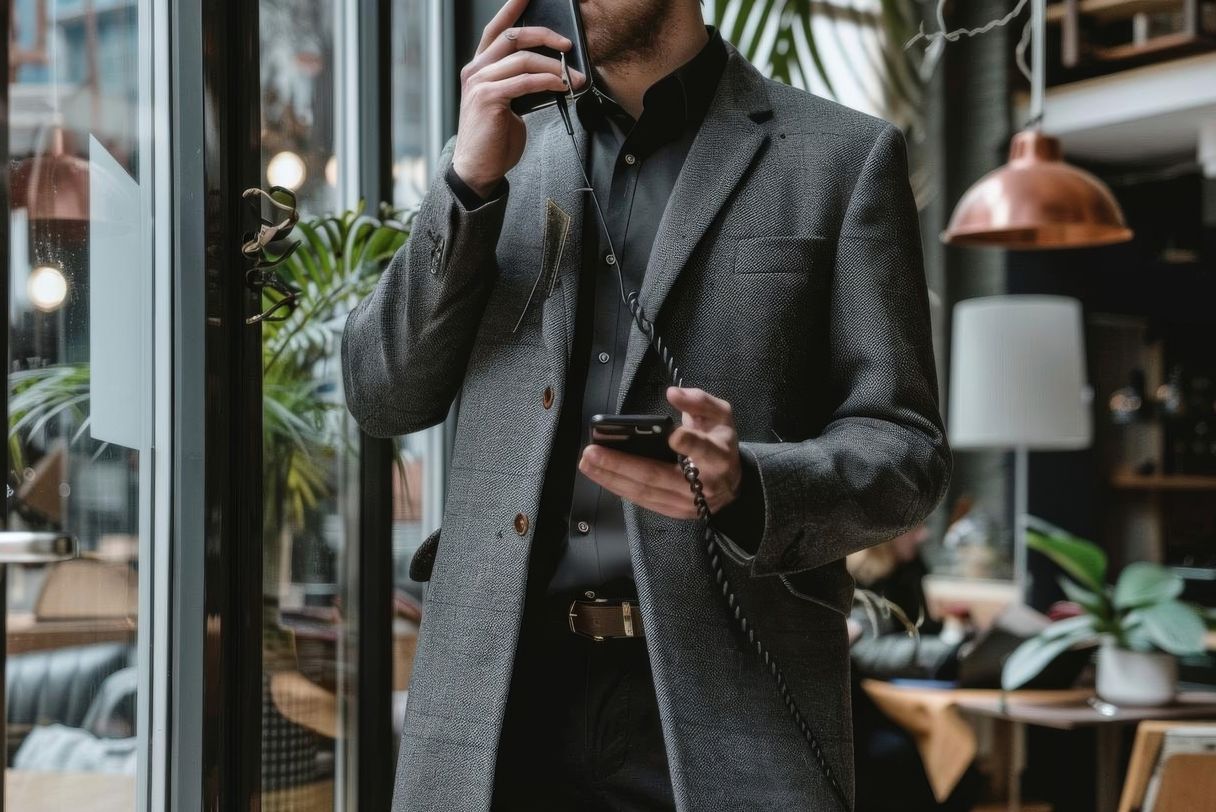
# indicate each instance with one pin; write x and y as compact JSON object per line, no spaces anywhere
{"x":601,"y":619}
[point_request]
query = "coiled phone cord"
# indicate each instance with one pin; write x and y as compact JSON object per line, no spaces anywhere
{"x":692,"y":475}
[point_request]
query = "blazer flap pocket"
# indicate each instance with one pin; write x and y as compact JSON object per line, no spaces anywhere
{"x":829,"y":585}
{"x":778,"y":254}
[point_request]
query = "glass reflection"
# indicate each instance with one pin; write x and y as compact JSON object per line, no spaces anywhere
{"x":73,"y":457}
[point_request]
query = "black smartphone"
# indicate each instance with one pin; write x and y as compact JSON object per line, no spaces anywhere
{"x":642,"y":434}
{"x":564,"y":17}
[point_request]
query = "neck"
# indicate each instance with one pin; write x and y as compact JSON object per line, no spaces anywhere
{"x":683,"y":38}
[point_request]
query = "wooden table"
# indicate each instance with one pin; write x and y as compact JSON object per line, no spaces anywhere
{"x":1107,"y":721}
{"x":78,"y":792}
{"x":27,"y":634}
{"x":947,"y":744}
{"x":27,"y":791}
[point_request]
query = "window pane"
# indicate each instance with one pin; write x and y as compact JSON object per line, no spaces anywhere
{"x":418,"y":483}
{"x":80,"y":397}
{"x":307,"y":654}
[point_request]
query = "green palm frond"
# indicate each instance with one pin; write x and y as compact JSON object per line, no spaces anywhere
{"x":39,"y":396}
{"x":789,"y":40}
{"x":338,"y":262}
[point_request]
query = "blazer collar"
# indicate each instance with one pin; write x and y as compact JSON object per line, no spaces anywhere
{"x":725,"y":147}
{"x":721,"y":154}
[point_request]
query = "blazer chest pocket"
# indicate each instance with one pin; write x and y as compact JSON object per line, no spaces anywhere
{"x":780,"y":254}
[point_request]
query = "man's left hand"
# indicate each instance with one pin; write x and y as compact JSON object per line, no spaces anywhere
{"x":706,"y":435}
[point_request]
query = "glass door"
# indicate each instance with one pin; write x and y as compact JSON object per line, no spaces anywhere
{"x":81,"y":209}
{"x":308,"y":660}
{"x":350,"y":123}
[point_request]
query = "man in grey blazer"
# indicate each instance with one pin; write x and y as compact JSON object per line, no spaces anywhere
{"x":576,"y":650}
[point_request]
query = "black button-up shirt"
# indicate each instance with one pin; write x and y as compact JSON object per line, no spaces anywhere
{"x":580,"y":542}
{"x":633,"y":166}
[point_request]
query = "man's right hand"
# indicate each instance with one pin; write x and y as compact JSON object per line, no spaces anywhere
{"x":491,"y":137}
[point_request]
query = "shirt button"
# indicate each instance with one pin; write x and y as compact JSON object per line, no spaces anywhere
{"x":603,"y":356}
{"x":546,"y":398}
{"x":521,"y":524}
{"x":630,"y":158}
{"x":610,"y":258}
{"x":584,"y":528}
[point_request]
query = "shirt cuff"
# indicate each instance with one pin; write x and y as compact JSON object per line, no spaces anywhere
{"x":742,"y":519}
{"x":465,"y":194}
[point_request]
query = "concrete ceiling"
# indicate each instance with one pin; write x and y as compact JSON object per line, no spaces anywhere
{"x":1144,"y":116}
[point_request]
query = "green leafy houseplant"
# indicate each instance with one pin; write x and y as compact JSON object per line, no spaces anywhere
{"x":338,"y":261}
{"x":786,"y":39}
{"x":1139,"y":613}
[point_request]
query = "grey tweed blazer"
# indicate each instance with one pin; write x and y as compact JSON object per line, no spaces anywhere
{"x":787,"y":278}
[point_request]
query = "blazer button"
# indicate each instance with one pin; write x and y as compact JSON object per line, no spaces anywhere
{"x":546,"y":398}
{"x":521,"y":524}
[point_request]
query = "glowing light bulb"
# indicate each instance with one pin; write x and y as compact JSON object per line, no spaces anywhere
{"x":47,"y":288}
{"x":286,"y":169}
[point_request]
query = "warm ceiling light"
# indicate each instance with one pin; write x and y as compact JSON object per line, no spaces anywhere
{"x":1036,"y":200}
{"x":286,"y":169}
{"x":47,"y":288}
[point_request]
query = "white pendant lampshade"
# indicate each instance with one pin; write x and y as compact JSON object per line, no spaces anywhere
{"x":1017,"y":374}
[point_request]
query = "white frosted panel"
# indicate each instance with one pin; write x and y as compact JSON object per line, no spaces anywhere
{"x":118,"y":360}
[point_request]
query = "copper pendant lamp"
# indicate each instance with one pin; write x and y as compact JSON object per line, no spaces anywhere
{"x":1036,"y":200}
{"x":53,"y":184}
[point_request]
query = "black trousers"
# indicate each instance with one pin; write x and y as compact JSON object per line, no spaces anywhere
{"x":582,"y":727}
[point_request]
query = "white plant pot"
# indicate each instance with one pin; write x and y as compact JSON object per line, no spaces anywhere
{"x":1136,"y":677}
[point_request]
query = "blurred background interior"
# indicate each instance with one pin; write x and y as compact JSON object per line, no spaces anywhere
{"x":194,"y":496}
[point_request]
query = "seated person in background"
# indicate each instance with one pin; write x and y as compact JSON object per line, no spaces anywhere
{"x":890,"y":774}
{"x":882,"y":646}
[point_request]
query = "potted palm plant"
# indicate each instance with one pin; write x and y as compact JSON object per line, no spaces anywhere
{"x":1138,"y":624}
{"x":337,"y":262}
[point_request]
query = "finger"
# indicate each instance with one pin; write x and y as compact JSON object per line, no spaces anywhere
{"x":519,"y":85}
{"x":504,"y":19}
{"x":647,"y":473}
{"x":698,"y":403}
{"x":669,"y":504}
{"x":708,"y":454}
{"x":517,"y":39}
{"x":523,"y":62}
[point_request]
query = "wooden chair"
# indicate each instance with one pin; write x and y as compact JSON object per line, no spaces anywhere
{"x":1188,"y":781}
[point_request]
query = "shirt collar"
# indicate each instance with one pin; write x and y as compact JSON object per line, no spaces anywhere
{"x":688,"y":89}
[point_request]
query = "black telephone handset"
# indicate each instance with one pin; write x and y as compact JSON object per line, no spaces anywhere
{"x":564,"y":17}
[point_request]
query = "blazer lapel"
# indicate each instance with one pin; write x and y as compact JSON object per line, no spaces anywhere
{"x":561,"y":204}
{"x":722,"y":152}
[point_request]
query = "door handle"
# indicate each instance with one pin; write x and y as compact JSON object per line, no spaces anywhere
{"x":262,"y":277}
{"x":36,"y":547}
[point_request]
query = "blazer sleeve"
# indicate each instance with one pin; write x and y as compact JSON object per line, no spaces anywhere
{"x":881,"y":463}
{"x":406,"y":345}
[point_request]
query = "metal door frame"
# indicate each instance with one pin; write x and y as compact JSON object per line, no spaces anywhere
{"x":215,"y":709}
